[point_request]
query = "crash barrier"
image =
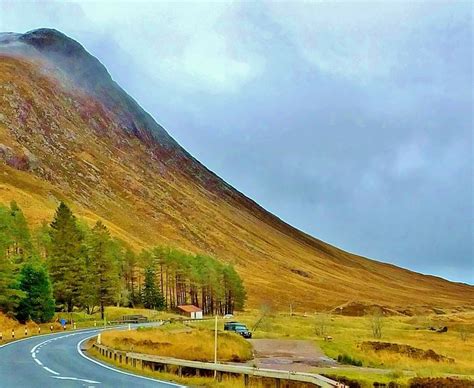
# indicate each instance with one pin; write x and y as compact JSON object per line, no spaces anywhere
{"x":268,"y":377}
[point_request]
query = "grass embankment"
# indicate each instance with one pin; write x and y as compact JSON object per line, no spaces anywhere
{"x":180,"y":341}
{"x":350,"y":332}
{"x":8,"y":324}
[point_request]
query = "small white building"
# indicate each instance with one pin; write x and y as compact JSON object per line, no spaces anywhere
{"x":191,"y":311}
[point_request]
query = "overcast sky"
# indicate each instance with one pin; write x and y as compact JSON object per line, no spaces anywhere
{"x":351,"y":121}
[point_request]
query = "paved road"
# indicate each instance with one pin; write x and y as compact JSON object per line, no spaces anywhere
{"x":55,"y":360}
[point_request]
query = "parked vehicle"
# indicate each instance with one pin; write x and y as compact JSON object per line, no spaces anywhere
{"x":238,"y":328}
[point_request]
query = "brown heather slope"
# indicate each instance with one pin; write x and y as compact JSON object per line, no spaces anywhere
{"x":67,"y":131}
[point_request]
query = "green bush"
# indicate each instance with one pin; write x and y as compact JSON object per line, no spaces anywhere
{"x":348,"y":360}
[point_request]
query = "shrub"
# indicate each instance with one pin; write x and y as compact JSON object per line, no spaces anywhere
{"x":348,"y":360}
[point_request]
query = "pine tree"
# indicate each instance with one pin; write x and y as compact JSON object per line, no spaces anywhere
{"x":151,"y":295}
{"x":130,"y":262}
{"x":42,"y":239}
{"x":20,"y":234}
{"x":38,"y":302}
{"x":235,"y":294}
{"x":10,"y":295}
{"x":103,"y":271}
{"x":66,"y":257}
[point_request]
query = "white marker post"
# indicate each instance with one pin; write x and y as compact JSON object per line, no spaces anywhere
{"x":215,"y":348}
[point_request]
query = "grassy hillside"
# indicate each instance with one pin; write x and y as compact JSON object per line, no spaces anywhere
{"x":59,"y":142}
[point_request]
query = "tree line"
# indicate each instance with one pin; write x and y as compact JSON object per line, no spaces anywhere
{"x":66,"y":264}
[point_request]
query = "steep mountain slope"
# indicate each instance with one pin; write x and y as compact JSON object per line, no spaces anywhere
{"x":68,"y":131}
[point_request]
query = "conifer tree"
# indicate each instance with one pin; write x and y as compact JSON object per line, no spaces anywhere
{"x":103,"y":271}
{"x":38,"y":302}
{"x":20,"y":234}
{"x":10,"y":295}
{"x":130,"y":263}
{"x":235,"y":294}
{"x":66,"y":257}
{"x":151,"y":295}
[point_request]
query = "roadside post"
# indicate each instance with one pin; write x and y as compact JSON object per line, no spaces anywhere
{"x":215,"y":347}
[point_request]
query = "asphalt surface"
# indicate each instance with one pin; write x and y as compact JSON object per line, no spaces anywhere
{"x":55,"y":360}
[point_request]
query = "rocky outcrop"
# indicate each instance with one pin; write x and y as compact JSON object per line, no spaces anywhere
{"x":23,"y":160}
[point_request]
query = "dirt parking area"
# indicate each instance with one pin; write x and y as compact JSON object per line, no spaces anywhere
{"x":291,"y":355}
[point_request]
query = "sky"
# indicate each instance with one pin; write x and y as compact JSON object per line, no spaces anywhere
{"x":352,"y":121}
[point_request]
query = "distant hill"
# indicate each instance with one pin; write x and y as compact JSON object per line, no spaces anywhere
{"x":68,"y":131}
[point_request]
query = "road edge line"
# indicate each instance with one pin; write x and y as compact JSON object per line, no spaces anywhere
{"x":78,"y":348}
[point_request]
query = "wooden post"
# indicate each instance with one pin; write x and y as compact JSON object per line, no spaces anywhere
{"x":215,"y":347}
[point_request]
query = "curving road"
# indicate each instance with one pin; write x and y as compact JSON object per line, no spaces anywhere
{"x":55,"y":360}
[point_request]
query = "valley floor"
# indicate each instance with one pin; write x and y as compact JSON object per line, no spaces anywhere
{"x":297,"y":343}
{"x":348,"y":335}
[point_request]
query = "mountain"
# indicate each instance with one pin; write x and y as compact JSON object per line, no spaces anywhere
{"x":68,"y":131}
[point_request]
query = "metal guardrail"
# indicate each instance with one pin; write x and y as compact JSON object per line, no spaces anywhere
{"x":139,"y":359}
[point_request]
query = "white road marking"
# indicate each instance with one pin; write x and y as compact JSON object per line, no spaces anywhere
{"x":83,"y":331}
{"x":51,"y":371}
{"x":76,"y":379}
{"x":40,"y":336}
{"x":35,"y":350}
{"x":78,"y":347}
